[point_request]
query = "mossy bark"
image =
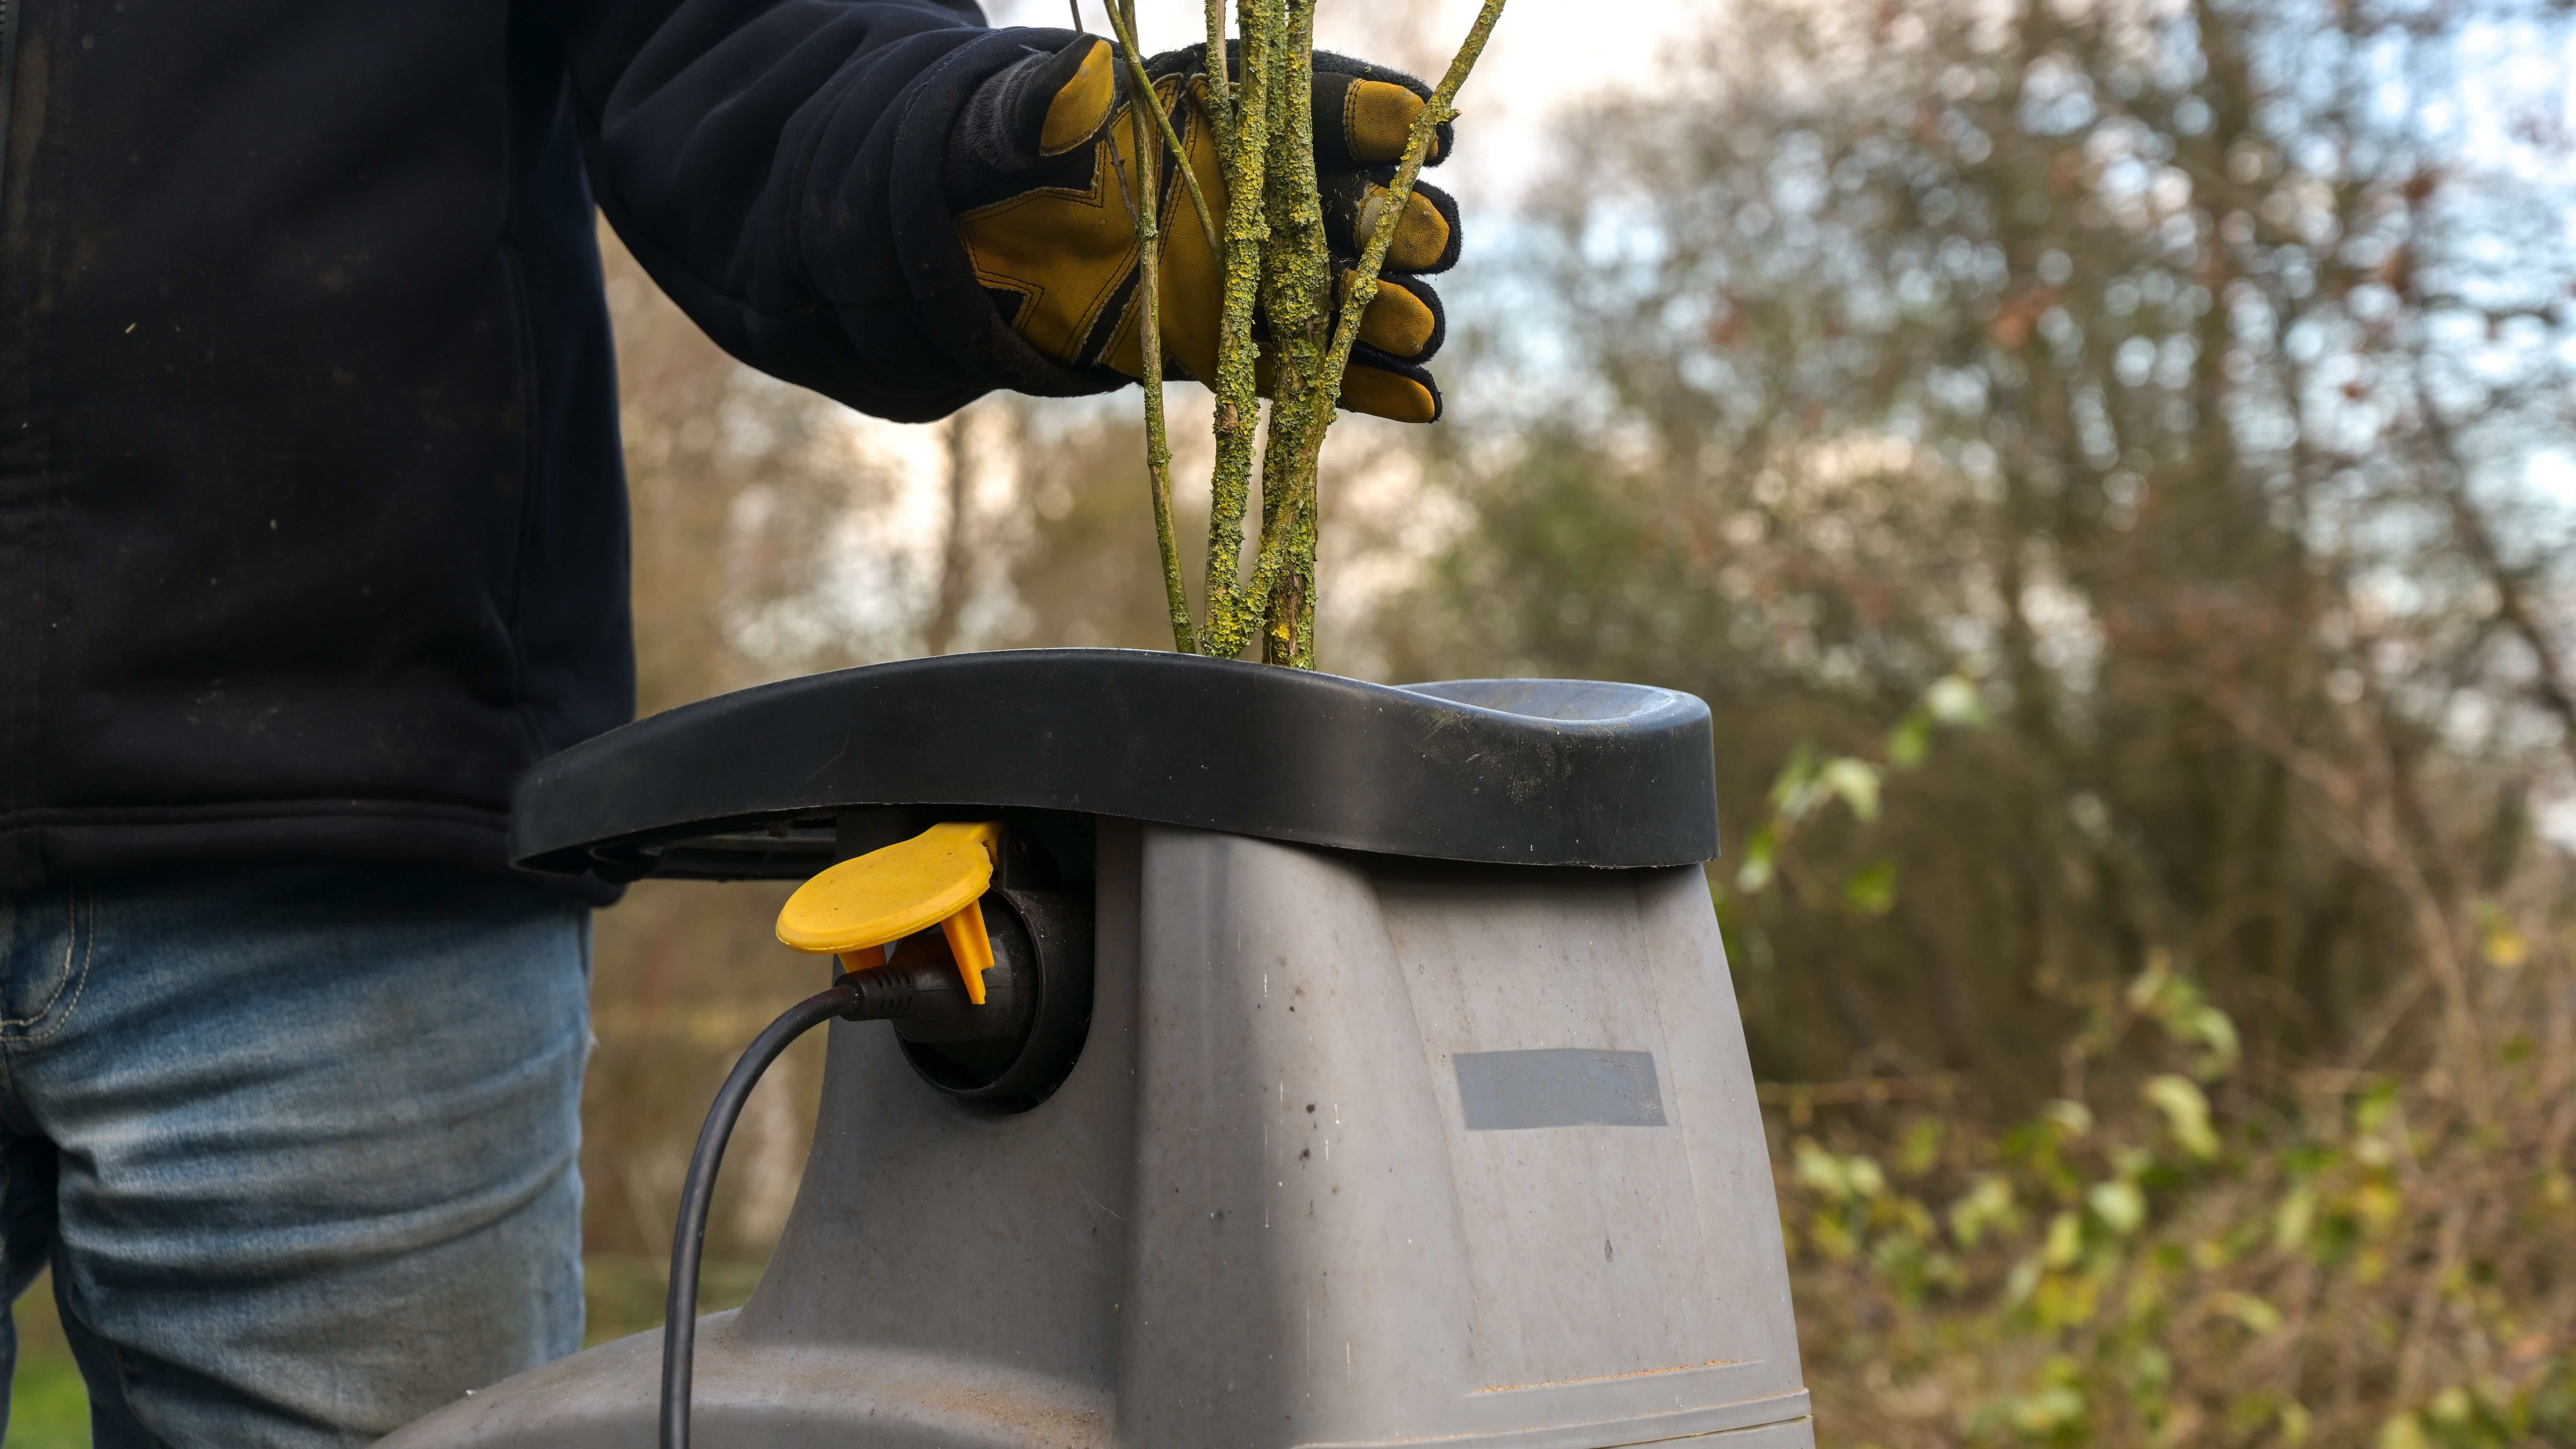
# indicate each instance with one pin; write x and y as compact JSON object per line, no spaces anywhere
{"x":1297,"y":298}
{"x":1276,"y":261}
{"x":1220,"y":96}
{"x":1244,"y":143}
{"x":1438,"y":111}
{"x":1145,"y":195}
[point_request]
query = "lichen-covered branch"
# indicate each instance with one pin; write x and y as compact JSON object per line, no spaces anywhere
{"x":1220,"y":96}
{"x":1441,"y":109}
{"x":1122,"y":21}
{"x":1158,"y":444}
{"x":1297,"y":296}
{"x":1296,"y":446}
{"x":1245,"y":156}
{"x":1277,"y":263}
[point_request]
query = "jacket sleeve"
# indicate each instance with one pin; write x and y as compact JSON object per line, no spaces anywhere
{"x":775,"y":165}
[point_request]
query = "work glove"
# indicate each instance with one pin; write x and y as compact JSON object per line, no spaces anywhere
{"x":1033,"y":180}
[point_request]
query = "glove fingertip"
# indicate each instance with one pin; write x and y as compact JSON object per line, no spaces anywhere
{"x":1426,"y":236}
{"x":1068,"y":102}
{"x":1416,"y":320}
{"x":1376,"y":106}
{"x":1385,"y":388}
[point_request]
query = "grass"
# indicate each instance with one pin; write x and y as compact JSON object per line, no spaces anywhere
{"x":49,"y":1406}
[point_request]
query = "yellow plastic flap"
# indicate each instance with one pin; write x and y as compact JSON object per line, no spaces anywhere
{"x":933,"y":879}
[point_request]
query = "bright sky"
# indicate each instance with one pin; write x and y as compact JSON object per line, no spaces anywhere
{"x":1544,"y":54}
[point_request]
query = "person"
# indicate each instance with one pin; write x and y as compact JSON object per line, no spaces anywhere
{"x":312,"y":538}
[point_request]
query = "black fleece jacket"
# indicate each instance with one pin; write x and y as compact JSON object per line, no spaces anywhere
{"x":312,"y":522}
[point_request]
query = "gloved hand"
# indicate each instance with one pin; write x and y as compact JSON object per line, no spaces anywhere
{"x":1031,"y":180}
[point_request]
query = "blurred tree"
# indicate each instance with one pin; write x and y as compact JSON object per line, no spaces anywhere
{"x":2170,"y":369}
{"x":718,"y":462}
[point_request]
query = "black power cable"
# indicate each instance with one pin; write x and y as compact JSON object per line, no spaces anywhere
{"x":922,"y":984}
{"x":689,"y":1234}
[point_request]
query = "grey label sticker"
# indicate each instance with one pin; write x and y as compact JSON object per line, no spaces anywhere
{"x":1558,"y":1087}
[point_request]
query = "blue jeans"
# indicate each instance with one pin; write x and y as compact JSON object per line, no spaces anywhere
{"x":298,"y":1142}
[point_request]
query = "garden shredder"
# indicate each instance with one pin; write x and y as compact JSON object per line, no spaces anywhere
{"x":1268,"y":1060}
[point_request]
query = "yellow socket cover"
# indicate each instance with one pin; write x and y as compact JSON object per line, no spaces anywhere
{"x":862,"y":905}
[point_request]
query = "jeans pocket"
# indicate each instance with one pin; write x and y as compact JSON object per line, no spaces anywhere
{"x":49,"y":936}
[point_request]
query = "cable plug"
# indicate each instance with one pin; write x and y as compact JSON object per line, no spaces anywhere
{"x":915,"y":986}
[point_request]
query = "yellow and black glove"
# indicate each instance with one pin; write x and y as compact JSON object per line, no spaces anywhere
{"x":1036,"y":193}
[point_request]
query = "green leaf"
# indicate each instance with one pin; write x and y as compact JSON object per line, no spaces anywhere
{"x":1756,"y":874}
{"x":2119,"y":1204}
{"x":1910,"y":741}
{"x":2216,"y":1034}
{"x":2258,"y":1316}
{"x":2294,"y":1219}
{"x":2186,"y":1112}
{"x":2055,"y":1407}
{"x":2376,"y":1108}
{"x":1864,"y":1176}
{"x":2072,"y":1119}
{"x":1821,"y":1170}
{"x":2065,"y":1241}
{"x":1794,"y":791}
{"x":2453,"y":1406}
{"x":1987,"y":1205}
{"x":1919,"y":1150}
{"x":2500,"y":940}
{"x":1954,"y":700}
{"x":2149,"y":986}
{"x":2023,"y":1282}
{"x":1872,"y":890}
{"x":1855,"y":781}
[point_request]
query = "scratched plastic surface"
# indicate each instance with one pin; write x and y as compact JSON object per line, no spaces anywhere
{"x":1259,"y":1215}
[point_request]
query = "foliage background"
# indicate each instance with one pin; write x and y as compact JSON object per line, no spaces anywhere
{"x":2109,"y":467}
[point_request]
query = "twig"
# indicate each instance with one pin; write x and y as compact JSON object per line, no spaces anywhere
{"x":2449,"y":486}
{"x":1440,"y":109}
{"x":1238,"y":406}
{"x":1260,"y":112}
{"x":1288,"y":623}
{"x":1126,"y":193}
{"x":1158,"y":444}
{"x":1297,"y":296}
{"x":1122,"y":19}
{"x":1220,"y":99}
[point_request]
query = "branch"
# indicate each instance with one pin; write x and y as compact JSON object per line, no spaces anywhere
{"x":1158,"y":445}
{"x":1238,"y":404}
{"x":1122,"y":19}
{"x":1220,"y":104}
{"x":1297,"y":300}
{"x":1308,"y":387}
{"x":2478,"y":541}
{"x":1441,"y":108}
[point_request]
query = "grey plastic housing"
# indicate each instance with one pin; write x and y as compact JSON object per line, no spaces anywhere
{"x":1358,"y":1151}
